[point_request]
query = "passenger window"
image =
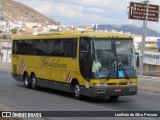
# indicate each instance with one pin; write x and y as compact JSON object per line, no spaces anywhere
{"x":29,"y":47}
{"x":38,"y":47}
{"x":70,"y":47}
{"x":59,"y":47}
{"x":20,"y":47}
{"x":47,"y":47}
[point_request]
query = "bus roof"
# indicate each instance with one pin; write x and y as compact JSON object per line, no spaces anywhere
{"x":72,"y":34}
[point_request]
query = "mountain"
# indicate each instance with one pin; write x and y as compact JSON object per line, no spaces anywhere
{"x":129,"y":29}
{"x":15,"y":11}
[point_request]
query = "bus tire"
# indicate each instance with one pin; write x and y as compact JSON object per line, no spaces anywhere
{"x":113,"y":98}
{"x":26,"y":80}
{"x":76,"y":90}
{"x":33,"y":82}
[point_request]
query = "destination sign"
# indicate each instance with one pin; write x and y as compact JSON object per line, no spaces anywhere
{"x":138,"y":11}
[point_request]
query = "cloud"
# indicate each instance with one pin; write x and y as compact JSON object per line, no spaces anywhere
{"x":87,"y":11}
{"x":44,"y":8}
{"x":66,"y":10}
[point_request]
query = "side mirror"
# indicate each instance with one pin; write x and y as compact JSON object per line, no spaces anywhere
{"x":137,"y":60}
{"x":113,"y":59}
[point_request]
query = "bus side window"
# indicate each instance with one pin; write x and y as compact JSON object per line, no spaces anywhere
{"x":14,"y":47}
{"x":74,"y":47}
{"x":29,"y":47}
{"x":38,"y":47}
{"x":47,"y":47}
{"x":20,"y":47}
{"x":70,"y":47}
{"x":59,"y":47}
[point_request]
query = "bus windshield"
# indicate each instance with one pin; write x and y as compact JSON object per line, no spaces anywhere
{"x":124,"y":49}
{"x":113,"y":58}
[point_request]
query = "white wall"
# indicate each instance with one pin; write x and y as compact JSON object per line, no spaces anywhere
{"x":6,"y":55}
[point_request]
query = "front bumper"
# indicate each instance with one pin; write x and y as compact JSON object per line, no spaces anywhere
{"x":105,"y":91}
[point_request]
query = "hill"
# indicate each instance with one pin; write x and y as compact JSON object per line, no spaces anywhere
{"x":15,"y":11}
{"x":129,"y":29}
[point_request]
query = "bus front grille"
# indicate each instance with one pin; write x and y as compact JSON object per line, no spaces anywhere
{"x":111,"y":83}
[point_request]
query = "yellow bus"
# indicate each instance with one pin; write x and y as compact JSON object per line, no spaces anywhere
{"x":95,"y":64}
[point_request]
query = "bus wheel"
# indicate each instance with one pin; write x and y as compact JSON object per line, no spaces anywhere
{"x":33,"y":82}
{"x":26,"y":80}
{"x":113,"y":98}
{"x":76,"y":91}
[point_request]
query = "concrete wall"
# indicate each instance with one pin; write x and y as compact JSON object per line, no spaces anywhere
{"x":152,"y":70}
{"x":7,"y":55}
{"x":6,"y":51}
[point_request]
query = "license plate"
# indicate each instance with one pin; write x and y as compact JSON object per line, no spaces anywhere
{"x":117,"y":90}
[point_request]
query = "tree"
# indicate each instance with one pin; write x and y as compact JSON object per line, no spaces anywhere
{"x":14,"y":31}
{"x":35,"y":26}
{"x":53,"y":30}
{"x":4,"y":37}
{"x":1,"y":18}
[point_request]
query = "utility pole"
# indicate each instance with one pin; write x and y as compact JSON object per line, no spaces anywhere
{"x":0,"y":10}
{"x":0,"y":36}
{"x":1,"y":17}
{"x":143,"y":39}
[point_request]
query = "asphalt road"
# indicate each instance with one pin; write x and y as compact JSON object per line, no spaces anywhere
{"x":15,"y":95}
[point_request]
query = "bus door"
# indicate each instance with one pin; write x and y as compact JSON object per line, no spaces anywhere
{"x":85,"y":61}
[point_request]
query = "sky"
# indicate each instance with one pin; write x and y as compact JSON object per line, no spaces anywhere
{"x":88,"y":12}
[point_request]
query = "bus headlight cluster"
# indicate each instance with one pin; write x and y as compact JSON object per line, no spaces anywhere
{"x":99,"y":84}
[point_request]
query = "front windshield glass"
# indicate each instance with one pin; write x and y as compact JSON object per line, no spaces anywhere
{"x":104,"y":56}
{"x":124,"y":50}
{"x":113,"y":58}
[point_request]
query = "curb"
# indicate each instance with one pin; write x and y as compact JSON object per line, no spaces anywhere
{"x":145,"y":88}
{"x":149,"y":83}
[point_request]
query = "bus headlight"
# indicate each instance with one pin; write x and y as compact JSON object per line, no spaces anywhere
{"x":99,"y":84}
